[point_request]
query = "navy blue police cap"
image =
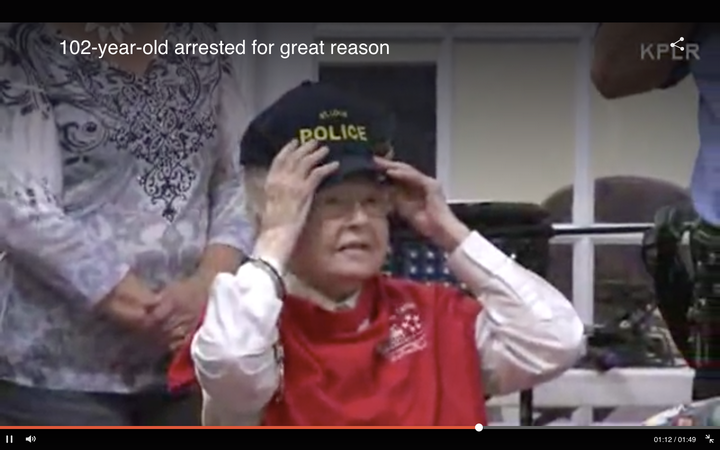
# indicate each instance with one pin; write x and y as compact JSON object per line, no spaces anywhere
{"x":354,"y":129}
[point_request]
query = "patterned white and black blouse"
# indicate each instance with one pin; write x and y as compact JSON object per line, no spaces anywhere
{"x":101,"y":172}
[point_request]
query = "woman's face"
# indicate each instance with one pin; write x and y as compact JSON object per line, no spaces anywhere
{"x":345,"y":238}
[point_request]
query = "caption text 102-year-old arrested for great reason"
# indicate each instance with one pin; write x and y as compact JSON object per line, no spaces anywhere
{"x":285,"y":50}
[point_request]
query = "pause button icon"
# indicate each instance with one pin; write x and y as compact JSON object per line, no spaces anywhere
{"x":8,"y":439}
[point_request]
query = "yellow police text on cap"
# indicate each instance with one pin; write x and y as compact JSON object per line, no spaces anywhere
{"x":334,"y":133}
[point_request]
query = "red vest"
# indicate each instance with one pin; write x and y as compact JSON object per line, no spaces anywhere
{"x":405,"y":356}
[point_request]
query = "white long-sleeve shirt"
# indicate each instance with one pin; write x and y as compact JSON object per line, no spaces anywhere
{"x":526,"y":334}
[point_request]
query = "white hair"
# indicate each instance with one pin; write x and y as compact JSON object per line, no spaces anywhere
{"x":254,"y":179}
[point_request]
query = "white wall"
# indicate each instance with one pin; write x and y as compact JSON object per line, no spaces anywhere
{"x":514,"y":107}
{"x":653,"y":135}
{"x":513,"y":120}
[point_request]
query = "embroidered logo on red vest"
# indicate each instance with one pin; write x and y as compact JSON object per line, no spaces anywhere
{"x":407,"y":334}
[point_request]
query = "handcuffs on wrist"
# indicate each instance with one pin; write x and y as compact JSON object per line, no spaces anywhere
{"x":273,"y":272}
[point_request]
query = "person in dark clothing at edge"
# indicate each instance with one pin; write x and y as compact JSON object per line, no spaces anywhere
{"x":620,"y":69}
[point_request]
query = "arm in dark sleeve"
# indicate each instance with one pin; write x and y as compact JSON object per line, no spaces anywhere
{"x":34,"y":230}
{"x":620,"y":68}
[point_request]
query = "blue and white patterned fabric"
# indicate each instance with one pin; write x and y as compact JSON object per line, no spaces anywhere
{"x":420,"y":262}
{"x":104,"y":171}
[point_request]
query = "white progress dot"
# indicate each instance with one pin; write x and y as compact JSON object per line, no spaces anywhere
{"x":478,"y":427}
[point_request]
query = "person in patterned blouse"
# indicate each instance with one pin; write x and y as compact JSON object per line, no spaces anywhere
{"x":120,"y":200}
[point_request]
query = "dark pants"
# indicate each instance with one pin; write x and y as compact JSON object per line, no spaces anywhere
{"x":24,"y":406}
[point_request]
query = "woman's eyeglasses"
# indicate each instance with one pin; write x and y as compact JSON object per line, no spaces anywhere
{"x":335,"y":207}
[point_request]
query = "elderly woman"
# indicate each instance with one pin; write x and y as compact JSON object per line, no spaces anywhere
{"x":120,"y":200}
{"x":307,"y":332}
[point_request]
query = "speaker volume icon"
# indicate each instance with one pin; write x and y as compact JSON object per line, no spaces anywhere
{"x":30,"y":439}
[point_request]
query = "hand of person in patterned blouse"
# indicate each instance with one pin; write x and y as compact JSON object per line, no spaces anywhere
{"x":131,"y":304}
{"x":181,"y":306}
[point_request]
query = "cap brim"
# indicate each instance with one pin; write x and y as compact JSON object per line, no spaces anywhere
{"x":351,"y":166}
